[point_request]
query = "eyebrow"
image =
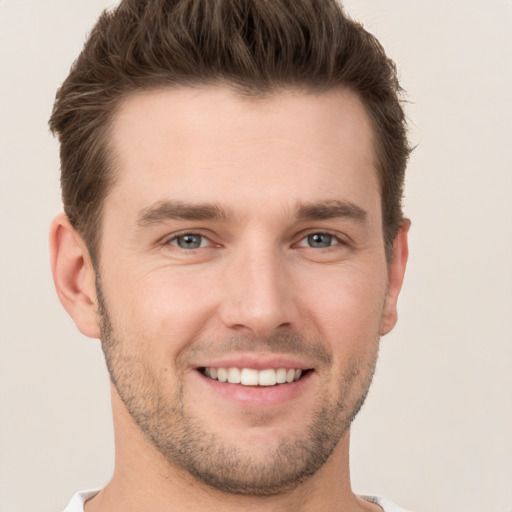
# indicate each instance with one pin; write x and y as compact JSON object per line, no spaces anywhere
{"x":172,"y":210}
{"x":330,"y":210}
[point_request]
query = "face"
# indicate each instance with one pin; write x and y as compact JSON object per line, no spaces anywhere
{"x":242,"y":282}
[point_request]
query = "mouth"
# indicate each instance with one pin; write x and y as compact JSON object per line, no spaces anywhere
{"x":267,"y":377}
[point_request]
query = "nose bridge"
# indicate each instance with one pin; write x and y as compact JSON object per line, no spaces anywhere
{"x":259,"y":297}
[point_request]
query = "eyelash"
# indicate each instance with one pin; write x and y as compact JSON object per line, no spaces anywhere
{"x":335,"y":239}
{"x":175,"y":238}
{"x":332,"y":238}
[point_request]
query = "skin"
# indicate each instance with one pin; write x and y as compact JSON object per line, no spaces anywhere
{"x":256,"y":290}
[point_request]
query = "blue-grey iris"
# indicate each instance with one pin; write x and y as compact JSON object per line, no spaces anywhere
{"x":320,"y":240}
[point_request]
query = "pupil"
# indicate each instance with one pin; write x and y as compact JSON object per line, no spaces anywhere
{"x":189,"y":241}
{"x":320,"y":240}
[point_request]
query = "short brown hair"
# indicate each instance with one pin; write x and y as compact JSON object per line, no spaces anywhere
{"x":255,"y":46}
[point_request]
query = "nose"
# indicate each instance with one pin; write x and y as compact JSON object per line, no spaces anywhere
{"x":258,"y":294}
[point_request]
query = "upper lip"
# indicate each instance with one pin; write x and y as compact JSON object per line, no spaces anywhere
{"x":256,"y":362}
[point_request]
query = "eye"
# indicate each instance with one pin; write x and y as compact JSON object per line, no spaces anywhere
{"x":189,"y":241}
{"x":319,"y":241}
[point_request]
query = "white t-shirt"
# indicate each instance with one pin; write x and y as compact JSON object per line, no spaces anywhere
{"x":77,"y":502}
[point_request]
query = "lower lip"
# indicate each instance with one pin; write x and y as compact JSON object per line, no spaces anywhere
{"x":257,"y":396}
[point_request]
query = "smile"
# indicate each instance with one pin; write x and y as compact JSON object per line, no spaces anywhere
{"x":252,"y":377}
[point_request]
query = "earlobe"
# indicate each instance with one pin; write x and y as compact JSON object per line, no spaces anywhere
{"x":73,"y":275}
{"x":396,"y":273}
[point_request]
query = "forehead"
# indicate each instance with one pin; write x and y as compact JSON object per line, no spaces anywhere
{"x":211,"y":144}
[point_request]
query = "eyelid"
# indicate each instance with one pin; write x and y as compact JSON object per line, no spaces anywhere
{"x":175,"y":241}
{"x":340,"y":238}
{"x":167,"y":240}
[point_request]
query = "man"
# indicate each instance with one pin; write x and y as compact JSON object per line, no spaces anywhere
{"x":232,"y":174}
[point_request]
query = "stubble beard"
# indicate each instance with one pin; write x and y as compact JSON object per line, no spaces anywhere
{"x":186,"y":442}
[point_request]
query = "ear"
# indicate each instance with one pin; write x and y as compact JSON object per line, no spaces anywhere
{"x":396,"y":271}
{"x":73,"y":275}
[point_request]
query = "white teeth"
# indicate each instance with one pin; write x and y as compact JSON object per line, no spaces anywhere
{"x":234,"y":376}
{"x":267,"y":378}
{"x":251,"y":377}
{"x":281,"y":376}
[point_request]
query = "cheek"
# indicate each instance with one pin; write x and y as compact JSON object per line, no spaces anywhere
{"x":346,"y":304}
{"x":164,"y":308}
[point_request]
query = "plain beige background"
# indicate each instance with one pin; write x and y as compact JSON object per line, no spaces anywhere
{"x":436,"y":432}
